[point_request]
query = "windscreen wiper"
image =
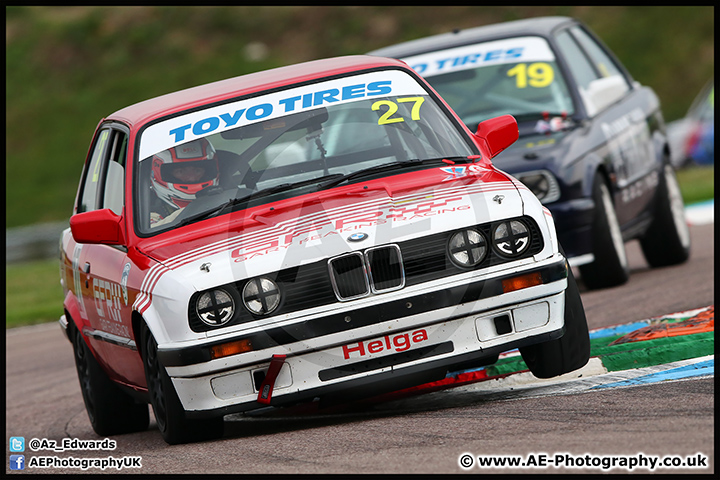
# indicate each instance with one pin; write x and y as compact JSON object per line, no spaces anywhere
{"x":384,"y":167}
{"x":220,"y":209}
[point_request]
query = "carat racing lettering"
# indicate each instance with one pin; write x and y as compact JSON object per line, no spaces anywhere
{"x":326,"y":230}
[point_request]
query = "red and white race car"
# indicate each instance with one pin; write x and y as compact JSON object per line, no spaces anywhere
{"x":325,"y":230}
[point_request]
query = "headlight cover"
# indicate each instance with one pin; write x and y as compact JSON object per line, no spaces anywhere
{"x":542,"y":183}
{"x":467,"y":248}
{"x":261,"y":296}
{"x":215,"y":307}
{"x":511,"y":238}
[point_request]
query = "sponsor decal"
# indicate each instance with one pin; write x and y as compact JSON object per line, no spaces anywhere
{"x":325,"y":227}
{"x":217,"y":119}
{"x":513,"y":50}
{"x":397,"y":343}
{"x":123,"y":282}
{"x":460,"y":171}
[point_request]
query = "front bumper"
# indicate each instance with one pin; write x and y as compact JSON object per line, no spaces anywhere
{"x":384,"y":350}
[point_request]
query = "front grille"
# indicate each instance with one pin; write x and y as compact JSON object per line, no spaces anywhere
{"x":357,"y":274}
{"x":348,"y":276}
{"x":385,"y":268}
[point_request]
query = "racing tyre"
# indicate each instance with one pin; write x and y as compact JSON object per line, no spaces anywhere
{"x":610,"y":267}
{"x":667,"y":241}
{"x":569,"y":352}
{"x":110,"y":410}
{"x":169,"y":412}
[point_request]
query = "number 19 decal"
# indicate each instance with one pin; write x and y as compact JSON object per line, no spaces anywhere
{"x":540,"y":74}
{"x":392,"y":108}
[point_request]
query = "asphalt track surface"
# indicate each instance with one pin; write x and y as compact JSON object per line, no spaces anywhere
{"x":422,"y":434}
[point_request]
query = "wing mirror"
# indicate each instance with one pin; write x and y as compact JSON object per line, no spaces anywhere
{"x":98,"y":226}
{"x":496,"y":134}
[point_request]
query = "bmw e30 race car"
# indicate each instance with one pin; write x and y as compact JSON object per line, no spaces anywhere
{"x":328,"y":230}
{"x":593,"y":146}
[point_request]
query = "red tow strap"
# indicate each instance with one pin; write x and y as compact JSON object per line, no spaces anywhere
{"x":266,"y":389}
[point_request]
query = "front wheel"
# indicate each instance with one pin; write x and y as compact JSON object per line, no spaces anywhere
{"x":667,"y":241}
{"x":610,"y":267}
{"x":569,"y":352}
{"x":169,"y":412}
{"x":110,"y":410}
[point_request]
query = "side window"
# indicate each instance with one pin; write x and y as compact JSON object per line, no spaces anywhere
{"x":603,"y":63}
{"x":581,"y":69}
{"x":599,"y":82}
{"x":114,"y":193}
{"x":92,"y":177}
{"x":104,"y":179}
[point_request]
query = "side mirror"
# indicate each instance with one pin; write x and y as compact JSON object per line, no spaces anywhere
{"x":496,"y":134}
{"x":97,"y":226}
{"x":603,"y":92}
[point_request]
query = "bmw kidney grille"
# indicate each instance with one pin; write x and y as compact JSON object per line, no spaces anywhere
{"x":378,"y":270}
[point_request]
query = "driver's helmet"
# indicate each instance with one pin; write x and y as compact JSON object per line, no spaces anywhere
{"x":178,"y":173}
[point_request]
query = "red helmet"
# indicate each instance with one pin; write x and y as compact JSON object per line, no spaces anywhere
{"x":178,"y":173}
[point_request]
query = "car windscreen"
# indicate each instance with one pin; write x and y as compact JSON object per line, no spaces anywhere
{"x":517,"y":76}
{"x":287,"y":143}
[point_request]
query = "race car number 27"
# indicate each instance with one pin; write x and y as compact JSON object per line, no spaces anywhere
{"x":392,"y":108}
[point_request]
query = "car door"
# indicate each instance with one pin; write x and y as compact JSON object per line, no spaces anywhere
{"x":621,"y":116}
{"x":104,"y":269}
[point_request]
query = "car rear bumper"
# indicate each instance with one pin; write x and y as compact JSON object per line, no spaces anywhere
{"x":381,"y":356}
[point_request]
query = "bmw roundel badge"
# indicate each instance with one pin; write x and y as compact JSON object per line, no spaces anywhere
{"x":357,"y":237}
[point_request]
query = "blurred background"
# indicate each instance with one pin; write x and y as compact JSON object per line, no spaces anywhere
{"x":68,"y":67}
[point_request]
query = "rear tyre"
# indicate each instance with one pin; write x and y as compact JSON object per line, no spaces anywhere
{"x":169,"y":412}
{"x":667,"y":241}
{"x":110,"y":410}
{"x":569,"y":352}
{"x":610,"y":267}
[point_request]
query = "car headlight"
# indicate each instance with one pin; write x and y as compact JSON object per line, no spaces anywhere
{"x":261,"y":296}
{"x":215,"y":307}
{"x":542,"y":183}
{"x":511,"y":238}
{"x":467,"y":248}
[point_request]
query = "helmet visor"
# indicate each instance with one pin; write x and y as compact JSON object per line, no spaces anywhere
{"x":190,"y":172}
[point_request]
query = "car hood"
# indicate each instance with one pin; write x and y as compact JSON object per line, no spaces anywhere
{"x":312,"y":227}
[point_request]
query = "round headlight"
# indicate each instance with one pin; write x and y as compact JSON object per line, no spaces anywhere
{"x":215,"y":307}
{"x":261,"y":296}
{"x":511,"y":238}
{"x":467,"y":248}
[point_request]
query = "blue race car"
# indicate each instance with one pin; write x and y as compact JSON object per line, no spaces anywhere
{"x":592,"y":145}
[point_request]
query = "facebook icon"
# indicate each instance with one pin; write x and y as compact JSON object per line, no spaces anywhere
{"x":17,"y":462}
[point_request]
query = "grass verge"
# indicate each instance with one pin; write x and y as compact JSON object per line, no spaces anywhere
{"x":33,"y":293}
{"x":697,"y":183}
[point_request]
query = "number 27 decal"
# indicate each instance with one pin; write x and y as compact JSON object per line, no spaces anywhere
{"x":392,"y":108}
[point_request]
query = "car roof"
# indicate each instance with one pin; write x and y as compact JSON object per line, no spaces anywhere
{"x":140,"y":113}
{"x":542,"y":26}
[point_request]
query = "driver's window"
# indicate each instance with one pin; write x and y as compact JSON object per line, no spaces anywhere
{"x":92,"y":178}
{"x":114,"y":190}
